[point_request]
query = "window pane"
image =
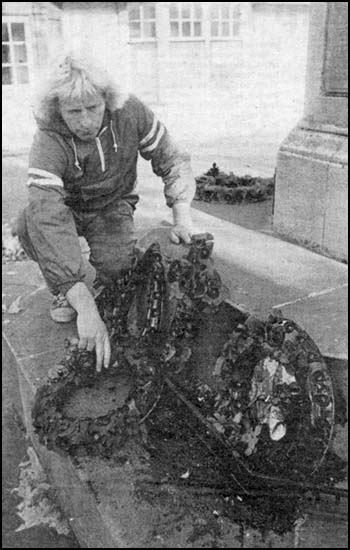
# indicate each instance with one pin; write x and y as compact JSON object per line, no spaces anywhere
{"x":18,"y":32}
{"x":174,"y":28}
{"x":215,"y":28}
{"x":22,"y":74}
{"x":5,"y":32}
{"x":214,"y":11}
{"x":235,"y":28}
{"x":135,"y":30}
{"x":186,"y":10}
{"x":186,"y":29}
{"x":5,"y":53}
{"x":197,"y":11}
{"x":134,"y":13}
{"x":6,"y":75}
{"x":236,"y":12}
{"x":225,"y":28}
{"x":198,"y":29}
{"x":174,"y":11}
{"x":20,"y":53}
{"x":149,"y":30}
{"x":149,"y":12}
{"x":225,"y":11}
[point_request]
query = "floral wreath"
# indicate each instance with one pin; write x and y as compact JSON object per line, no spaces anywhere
{"x":270,"y":399}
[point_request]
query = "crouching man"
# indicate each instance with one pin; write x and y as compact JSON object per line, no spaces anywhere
{"x":82,"y":182}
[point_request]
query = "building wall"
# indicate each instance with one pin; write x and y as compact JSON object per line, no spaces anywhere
{"x":278,"y":45}
{"x":270,"y":47}
{"x":42,"y":28}
{"x":96,"y":28}
{"x":42,"y":37}
{"x":47,"y":37}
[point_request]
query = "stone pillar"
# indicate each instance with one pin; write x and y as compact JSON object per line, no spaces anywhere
{"x":311,"y":176}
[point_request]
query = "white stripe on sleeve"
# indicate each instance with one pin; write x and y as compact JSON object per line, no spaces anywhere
{"x":156,"y":142}
{"x":150,"y":134}
{"x":43,"y":173}
{"x":42,"y":177}
{"x":45,"y":182}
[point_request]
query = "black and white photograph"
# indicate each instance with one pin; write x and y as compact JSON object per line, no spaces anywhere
{"x":174,"y":274}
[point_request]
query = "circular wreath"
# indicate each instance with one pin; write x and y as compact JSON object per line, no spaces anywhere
{"x":165,"y":299}
{"x":100,"y":435}
{"x":271,"y":398}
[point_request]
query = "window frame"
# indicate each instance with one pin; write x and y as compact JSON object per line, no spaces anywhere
{"x":9,"y":20}
{"x":192,"y":19}
{"x":142,"y":20}
{"x":220,"y":20}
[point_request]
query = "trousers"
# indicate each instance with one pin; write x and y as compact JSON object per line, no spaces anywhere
{"x":109,"y":233}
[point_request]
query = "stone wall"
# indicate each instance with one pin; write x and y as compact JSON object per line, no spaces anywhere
{"x":312,"y":169}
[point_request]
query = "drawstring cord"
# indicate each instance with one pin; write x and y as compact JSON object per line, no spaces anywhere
{"x":76,"y":163}
{"x":115,"y":145}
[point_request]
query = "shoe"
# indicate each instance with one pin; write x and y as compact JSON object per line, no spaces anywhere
{"x":61,"y":311}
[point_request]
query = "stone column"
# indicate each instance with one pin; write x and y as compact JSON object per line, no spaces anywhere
{"x":311,"y":176}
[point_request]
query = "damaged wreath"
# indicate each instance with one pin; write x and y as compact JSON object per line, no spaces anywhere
{"x":150,"y":313}
{"x":269,"y":398}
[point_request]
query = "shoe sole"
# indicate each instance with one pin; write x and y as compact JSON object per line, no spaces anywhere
{"x":63,"y":317}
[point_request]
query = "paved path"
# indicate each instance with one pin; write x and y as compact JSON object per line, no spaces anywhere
{"x":14,"y":451}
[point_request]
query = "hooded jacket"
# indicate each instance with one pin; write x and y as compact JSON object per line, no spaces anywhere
{"x":63,"y":178}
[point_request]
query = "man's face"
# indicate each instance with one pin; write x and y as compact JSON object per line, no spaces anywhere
{"x":84,"y":117}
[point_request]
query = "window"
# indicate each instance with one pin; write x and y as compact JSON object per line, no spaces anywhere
{"x":142,"y":21}
{"x":185,"y":20}
{"x":14,"y":54}
{"x":225,"y":19}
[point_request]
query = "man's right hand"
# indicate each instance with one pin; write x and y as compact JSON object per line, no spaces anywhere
{"x":93,"y":334}
{"x":92,"y":331}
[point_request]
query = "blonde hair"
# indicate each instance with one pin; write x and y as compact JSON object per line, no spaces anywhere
{"x":72,"y":78}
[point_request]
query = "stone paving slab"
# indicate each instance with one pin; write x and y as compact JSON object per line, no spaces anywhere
{"x":103,"y":508}
{"x":324,"y":317}
{"x":95,"y":496}
{"x":101,"y":498}
{"x":296,"y":270}
{"x":318,"y":533}
{"x":76,"y":499}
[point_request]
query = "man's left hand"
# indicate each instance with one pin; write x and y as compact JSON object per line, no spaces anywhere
{"x":183,"y":229}
{"x":181,"y":233}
